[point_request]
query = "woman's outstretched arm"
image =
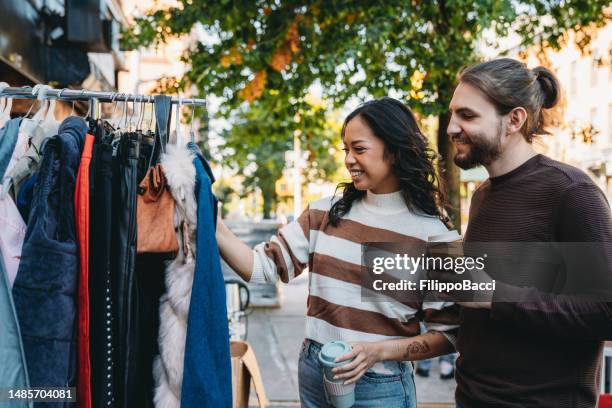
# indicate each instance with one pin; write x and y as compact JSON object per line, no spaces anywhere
{"x":236,"y":253}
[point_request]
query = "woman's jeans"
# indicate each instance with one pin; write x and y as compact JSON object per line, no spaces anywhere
{"x":372,"y":390}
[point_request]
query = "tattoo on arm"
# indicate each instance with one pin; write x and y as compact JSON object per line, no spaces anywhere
{"x":419,"y":347}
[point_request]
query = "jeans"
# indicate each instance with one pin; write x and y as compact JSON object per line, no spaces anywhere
{"x":426,"y":364}
{"x":372,"y":390}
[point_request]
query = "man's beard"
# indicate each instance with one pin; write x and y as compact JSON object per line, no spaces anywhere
{"x":482,"y":151}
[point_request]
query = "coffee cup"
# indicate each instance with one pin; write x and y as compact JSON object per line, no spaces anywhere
{"x":341,"y":395}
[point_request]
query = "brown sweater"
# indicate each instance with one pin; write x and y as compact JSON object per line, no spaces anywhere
{"x":544,"y":353}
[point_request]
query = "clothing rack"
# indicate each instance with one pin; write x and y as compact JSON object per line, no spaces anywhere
{"x":95,"y":97}
{"x":84,"y":95}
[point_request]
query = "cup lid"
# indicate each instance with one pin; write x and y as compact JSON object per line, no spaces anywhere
{"x":333,"y":349}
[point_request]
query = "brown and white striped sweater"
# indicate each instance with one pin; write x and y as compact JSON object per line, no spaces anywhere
{"x":336,"y":310}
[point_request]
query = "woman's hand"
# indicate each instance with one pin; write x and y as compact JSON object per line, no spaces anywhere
{"x":364,"y":356}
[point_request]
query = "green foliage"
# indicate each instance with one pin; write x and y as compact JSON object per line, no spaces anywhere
{"x":259,"y":138}
{"x":270,"y":53}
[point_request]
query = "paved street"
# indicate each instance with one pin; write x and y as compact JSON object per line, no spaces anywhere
{"x":276,"y":336}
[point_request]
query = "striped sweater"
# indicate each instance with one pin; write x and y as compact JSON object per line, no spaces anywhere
{"x":336,"y":310}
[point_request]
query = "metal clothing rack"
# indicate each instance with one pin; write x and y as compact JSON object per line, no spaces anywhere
{"x":45,"y":92}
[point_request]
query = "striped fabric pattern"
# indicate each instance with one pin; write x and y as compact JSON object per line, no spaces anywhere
{"x":336,"y":310}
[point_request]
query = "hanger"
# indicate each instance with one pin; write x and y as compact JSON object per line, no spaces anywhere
{"x":89,"y":103}
{"x":114,"y":102}
{"x":191,"y":132}
{"x":132,"y":125}
{"x":29,"y":125}
{"x":142,"y":113}
{"x":59,"y":96}
{"x":31,"y":128}
{"x":151,"y":119}
{"x":40,"y":91}
{"x":157,"y":136}
{"x":177,"y":125}
{"x":120,"y":122}
{"x":49,"y":123}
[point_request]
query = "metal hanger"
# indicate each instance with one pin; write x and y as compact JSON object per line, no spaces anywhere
{"x":177,"y":125}
{"x":191,"y":132}
{"x":152,"y":118}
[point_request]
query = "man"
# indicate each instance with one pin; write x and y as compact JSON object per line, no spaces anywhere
{"x":539,"y":350}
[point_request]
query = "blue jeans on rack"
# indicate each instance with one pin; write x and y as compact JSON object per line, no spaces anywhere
{"x":372,"y":390}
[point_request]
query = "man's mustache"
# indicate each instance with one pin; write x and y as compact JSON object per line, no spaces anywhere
{"x":460,"y":138}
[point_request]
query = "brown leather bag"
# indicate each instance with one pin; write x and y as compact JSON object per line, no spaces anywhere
{"x":155,"y":214}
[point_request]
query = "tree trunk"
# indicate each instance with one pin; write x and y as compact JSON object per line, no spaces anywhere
{"x":269,"y":199}
{"x":449,"y":171}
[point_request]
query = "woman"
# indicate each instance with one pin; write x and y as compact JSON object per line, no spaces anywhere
{"x":393,"y":197}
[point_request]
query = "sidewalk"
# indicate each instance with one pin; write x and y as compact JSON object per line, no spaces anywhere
{"x":276,"y":336}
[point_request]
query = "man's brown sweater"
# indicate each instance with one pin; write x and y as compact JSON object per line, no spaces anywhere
{"x":545,"y":352}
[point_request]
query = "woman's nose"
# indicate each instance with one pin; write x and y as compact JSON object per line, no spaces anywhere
{"x":349,"y":158}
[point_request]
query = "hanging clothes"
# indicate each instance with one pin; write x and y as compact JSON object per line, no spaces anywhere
{"x":81,"y":207}
{"x":125,"y":184}
{"x":174,"y":305}
{"x":13,"y":372}
{"x":45,"y":288}
{"x":29,"y":162}
{"x":14,"y":228}
{"x":8,"y":135}
{"x":149,"y":275}
{"x":207,"y":378}
{"x":101,"y":323}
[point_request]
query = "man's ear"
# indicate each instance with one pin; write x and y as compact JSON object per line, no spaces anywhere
{"x":516,"y":119}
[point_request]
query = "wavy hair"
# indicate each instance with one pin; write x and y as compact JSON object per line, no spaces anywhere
{"x":395,"y":124}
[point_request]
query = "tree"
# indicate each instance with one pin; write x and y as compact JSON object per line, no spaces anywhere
{"x":259,"y":138}
{"x":274,"y":52}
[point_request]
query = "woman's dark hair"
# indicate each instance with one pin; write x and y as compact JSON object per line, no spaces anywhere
{"x":413,"y":160}
{"x":508,"y":84}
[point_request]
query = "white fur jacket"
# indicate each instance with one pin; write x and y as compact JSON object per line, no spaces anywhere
{"x":178,"y":167}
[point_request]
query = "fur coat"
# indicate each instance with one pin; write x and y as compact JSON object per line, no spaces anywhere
{"x":180,"y":172}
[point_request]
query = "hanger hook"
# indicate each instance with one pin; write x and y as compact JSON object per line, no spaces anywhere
{"x":124,"y":113}
{"x":88,"y":102}
{"x":191,"y":133}
{"x":142,"y":111}
{"x":152,"y":113}
{"x":114,"y":102}
{"x":138,"y":98}
{"x":133,"y":112}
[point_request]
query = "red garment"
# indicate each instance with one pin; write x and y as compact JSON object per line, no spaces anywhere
{"x":81,"y":216}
